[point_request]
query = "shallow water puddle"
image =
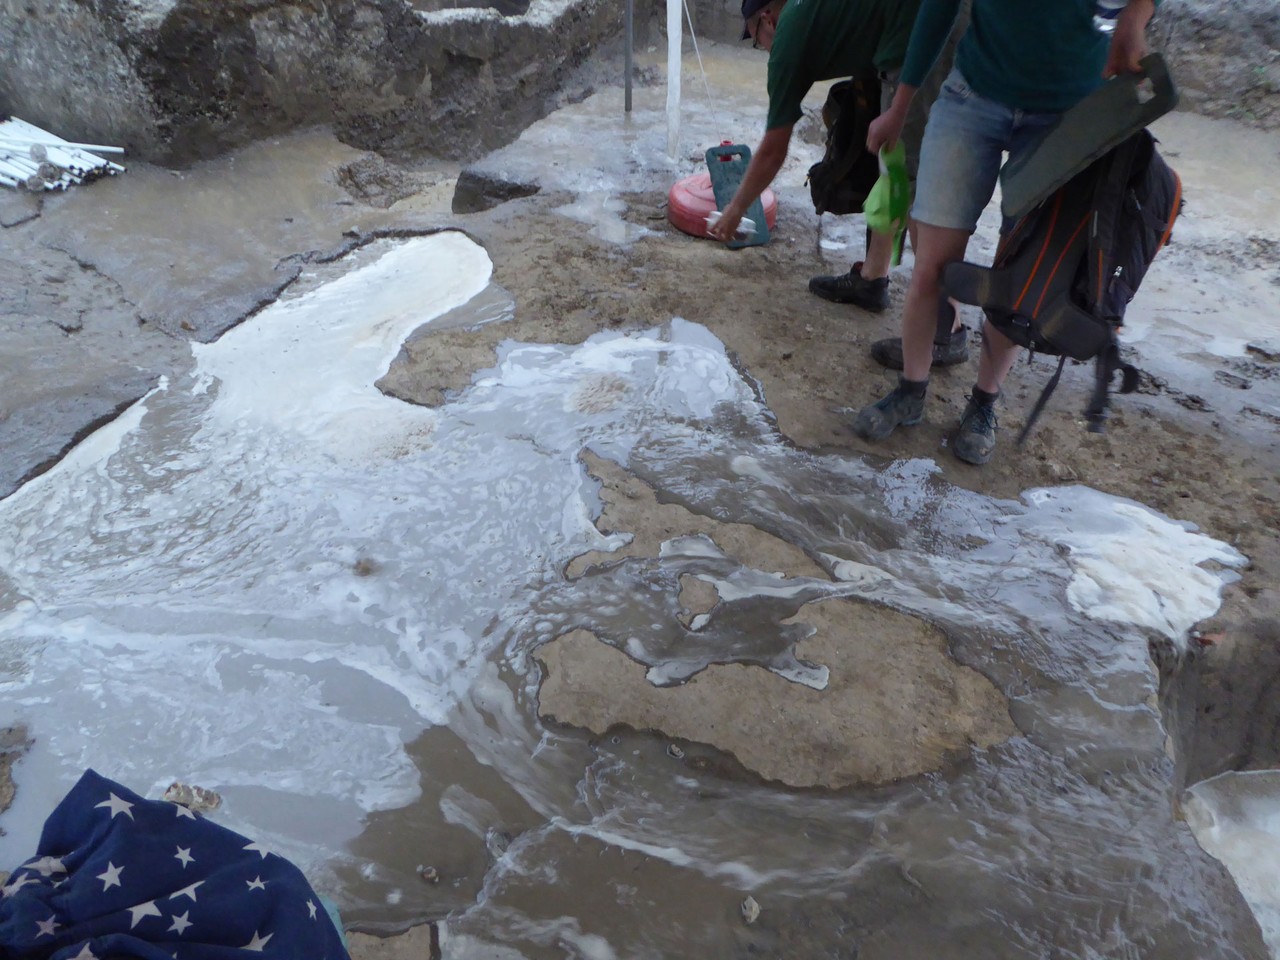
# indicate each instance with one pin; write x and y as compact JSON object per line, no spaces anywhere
{"x":269,"y":579}
{"x":602,"y":212}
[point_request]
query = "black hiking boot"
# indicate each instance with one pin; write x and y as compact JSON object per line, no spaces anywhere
{"x":902,"y":407}
{"x":947,"y":353}
{"x":976,"y":436}
{"x":849,"y":287}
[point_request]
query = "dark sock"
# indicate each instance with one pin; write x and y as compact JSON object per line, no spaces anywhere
{"x":912,"y":388}
{"x":946,"y":322}
{"x":984,"y":398}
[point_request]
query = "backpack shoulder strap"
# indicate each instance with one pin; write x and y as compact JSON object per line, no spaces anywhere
{"x":1104,"y":368}
{"x":1109,"y":198}
{"x":1045,"y":394}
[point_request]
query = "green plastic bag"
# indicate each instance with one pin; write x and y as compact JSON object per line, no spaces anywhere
{"x":889,"y":202}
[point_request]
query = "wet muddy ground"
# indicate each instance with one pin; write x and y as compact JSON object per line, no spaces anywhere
{"x":107,"y":285}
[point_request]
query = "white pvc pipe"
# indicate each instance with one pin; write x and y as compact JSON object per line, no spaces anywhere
{"x":28,"y":142}
{"x":674,"y":42}
{"x":629,"y":19}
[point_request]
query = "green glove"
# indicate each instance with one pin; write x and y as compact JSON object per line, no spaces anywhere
{"x":889,"y":202}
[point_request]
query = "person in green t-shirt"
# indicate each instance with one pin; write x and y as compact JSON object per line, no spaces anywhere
{"x":1019,"y":66}
{"x":808,"y":41}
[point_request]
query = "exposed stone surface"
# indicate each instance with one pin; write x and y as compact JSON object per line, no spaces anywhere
{"x":418,"y":943}
{"x":182,"y":79}
{"x":175,"y":80}
{"x":101,"y":294}
{"x":896,"y":704}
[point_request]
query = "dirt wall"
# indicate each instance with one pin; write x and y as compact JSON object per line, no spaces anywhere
{"x":1224,"y":55}
{"x":177,"y":81}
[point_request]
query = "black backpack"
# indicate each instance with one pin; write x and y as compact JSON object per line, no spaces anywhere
{"x":1064,"y":273}
{"x":841,"y":180}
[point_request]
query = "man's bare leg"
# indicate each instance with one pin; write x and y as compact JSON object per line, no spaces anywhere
{"x":936,"y":247}
{"x":904,"y":406}
{"x":879,"y":256}
{"x":998,"y":355}
{"x":975,"y":440}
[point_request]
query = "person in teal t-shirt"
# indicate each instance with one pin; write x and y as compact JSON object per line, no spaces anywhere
{"x":1019,"y":65}
{"x":808,"y":41}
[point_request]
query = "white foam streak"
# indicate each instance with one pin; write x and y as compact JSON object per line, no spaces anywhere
{"x":741,"y":875}
{"x":1130,"y":564}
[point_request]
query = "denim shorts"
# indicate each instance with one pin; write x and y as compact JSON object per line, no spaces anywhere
{"x":964,"y":145}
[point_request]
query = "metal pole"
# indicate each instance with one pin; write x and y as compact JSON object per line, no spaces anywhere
{"x":629,"y":17}
{"x":674,"y":39}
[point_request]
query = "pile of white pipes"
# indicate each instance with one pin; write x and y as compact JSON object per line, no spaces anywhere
{"x":38,"y":160}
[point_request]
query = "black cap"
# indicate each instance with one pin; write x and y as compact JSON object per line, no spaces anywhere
{"x":749,"y":9}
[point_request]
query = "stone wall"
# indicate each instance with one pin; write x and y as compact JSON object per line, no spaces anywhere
{"x":176,"y":80}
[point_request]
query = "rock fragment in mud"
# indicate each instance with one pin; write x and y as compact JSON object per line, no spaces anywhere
{"x":1268,"y":351}
{"x":372,"y":180}
{"x":477,"y":191}
{"x":750,"y":910}
{"x":1233,"y":380}
{"x":1271,"y":415}
{"x":196,"y":798}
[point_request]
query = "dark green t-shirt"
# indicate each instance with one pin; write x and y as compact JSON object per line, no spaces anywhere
{"x":1037,"y":55}
{"x":825,"y":39}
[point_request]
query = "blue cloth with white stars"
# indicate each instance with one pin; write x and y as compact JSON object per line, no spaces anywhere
{"x":119,"y":876}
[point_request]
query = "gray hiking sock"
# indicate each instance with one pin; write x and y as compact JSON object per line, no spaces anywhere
{"x":913,"y":388}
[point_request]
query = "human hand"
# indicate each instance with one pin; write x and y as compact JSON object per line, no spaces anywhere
{"x":1129,"y":41}
{"x":725,"y":228}
{"x":884,"y":131}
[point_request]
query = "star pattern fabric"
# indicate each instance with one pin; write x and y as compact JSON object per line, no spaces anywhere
{"x":106,"y":882}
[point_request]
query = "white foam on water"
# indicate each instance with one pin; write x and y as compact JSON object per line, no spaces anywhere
{"x":850,"y":571}
{"x":740,"y":874}
{"x":1236,"y":818}
{"x":1130,"y":564}
{"x":305,"y":368}
{"x":464,"y":809}
{"x":281,"y":575}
